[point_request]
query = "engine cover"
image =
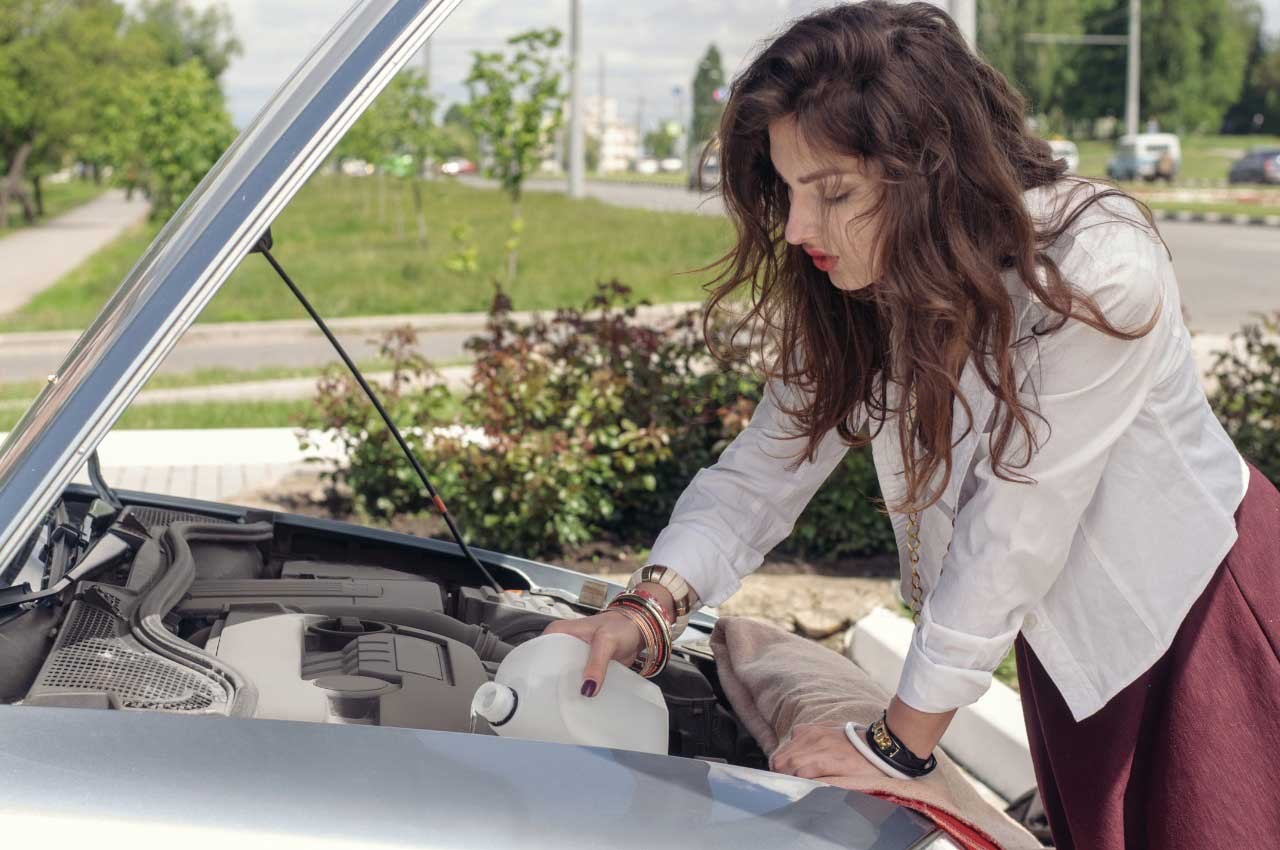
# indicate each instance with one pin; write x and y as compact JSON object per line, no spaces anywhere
{"x":325,"y":670}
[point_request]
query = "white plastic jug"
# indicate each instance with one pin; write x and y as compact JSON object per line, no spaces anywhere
{"x":537,"y":694}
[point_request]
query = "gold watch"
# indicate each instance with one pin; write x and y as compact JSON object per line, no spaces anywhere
{"x":686,"y":600}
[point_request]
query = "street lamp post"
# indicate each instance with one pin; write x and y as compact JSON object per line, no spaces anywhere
{"x":1132,"y":72}
{"x":577,"y":147}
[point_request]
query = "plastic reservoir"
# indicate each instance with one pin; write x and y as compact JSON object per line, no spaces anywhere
{"x":536,"y":695}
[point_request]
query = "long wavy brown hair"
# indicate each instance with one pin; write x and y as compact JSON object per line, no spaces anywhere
{"x":897,"y":86}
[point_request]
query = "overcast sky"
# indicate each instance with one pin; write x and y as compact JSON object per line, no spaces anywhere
{"x":649,"y":47}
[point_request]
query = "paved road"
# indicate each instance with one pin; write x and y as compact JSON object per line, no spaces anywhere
{"x":1227,"y":272}
{"x":35,"y":257}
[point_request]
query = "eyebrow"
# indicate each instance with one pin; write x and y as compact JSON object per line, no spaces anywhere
{"x":818,"y":175}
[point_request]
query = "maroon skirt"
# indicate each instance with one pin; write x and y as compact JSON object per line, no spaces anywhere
{"x":1189,"y":754}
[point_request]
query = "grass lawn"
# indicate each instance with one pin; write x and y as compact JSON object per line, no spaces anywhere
{"x":28,"y":390}
{"x":15,"y":397}
{"x":244,"y":414}
{"x":1252,"y":210}
{"x":351,"y":244}
{"x":58,"y":198}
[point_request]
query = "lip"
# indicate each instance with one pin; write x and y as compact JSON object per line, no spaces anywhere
{"x":824,"y":262}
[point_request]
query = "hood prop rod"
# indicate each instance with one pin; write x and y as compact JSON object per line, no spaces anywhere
{"x":263,"y":246}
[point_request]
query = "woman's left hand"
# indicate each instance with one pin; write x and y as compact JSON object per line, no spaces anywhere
{"x":823,"y":753}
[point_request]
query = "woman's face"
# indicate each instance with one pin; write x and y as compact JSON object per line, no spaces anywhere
{"x":831,"y":195}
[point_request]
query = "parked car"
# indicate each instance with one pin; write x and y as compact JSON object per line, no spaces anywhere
{"x":1146,"y":156}
{"x":1063,"y":149}
{"x":647,"y":165}
{"x":356,"y":168}
{"x":456,"y":165}
{"x":705,"y":173}
{"x":671,"y":164}
{"x":186,"y":673}
{"x":1260,"y":165}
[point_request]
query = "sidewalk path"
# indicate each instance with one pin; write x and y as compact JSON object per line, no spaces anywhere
{"x":214,"y":464}
{"x":34,"y":258}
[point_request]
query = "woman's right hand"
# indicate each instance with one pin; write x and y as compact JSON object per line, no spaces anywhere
{"x":612,"y":636}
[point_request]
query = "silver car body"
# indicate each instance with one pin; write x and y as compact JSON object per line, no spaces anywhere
{"x":72,"y":775}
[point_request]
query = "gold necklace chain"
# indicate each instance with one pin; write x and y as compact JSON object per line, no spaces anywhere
{"x":913,"y":555}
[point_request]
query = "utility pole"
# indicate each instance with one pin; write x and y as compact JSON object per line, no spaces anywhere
{"x":1131,"y":96}
{"x":577,"y":150}
{"x":602,"y":120}
{"x":676,"y":95}
{"x":965,"y":14}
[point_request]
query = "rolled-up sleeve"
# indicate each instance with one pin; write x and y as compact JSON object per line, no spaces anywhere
{"x":734,"y":512}
{"x":1012,"y":539}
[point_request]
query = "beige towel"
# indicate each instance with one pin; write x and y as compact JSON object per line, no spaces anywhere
{"x":777,"y":681}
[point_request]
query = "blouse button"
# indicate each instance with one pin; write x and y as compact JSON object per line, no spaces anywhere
{"x":1029,"y":622}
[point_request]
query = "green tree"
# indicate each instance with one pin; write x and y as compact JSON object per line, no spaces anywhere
{"x":660,"y":143}
{"x":404,"y":117}
{"x":1041,"y":71}
{"x":456,"y":136}
{"x":48,"y":52}
{"x":706,"y":109}
{"x":1258,"y":108}
{"x":1193,"y":62}
{"x":103,"y":136}
{"x":1266,"y":78}
{"x":181,"y":127}
{"x":175,"y":32}
{"x":515,"y":110}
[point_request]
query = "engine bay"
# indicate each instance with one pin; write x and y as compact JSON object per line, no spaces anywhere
{"x":263,"y":615}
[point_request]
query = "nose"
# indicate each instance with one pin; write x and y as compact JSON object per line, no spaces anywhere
{"x":801,"y":223}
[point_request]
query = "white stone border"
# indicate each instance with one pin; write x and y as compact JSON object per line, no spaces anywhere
{"x":988,"y":738}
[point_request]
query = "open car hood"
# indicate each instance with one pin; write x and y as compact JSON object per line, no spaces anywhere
{"x":198,"y":249}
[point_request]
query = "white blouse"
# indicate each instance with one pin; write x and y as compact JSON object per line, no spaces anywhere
{"x":1097,"y":562}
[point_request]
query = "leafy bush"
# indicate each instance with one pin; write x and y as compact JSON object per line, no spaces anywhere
{"x":585,"y":425}
{"x":1247,"y":395}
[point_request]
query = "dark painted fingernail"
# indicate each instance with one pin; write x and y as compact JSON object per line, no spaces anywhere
{"x":589,"y":688}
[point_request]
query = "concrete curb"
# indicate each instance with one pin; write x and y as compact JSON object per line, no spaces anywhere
{"x":283,"y":329}
{"x":988,"y":738}
{"x":1241,"y":219}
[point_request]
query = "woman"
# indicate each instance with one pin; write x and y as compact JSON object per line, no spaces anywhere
{"x":1010,"y":342}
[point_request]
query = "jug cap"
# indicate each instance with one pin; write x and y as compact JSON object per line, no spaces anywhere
{"x":495,"y":703}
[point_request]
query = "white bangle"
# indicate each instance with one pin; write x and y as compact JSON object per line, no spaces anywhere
{"x":857,"y":736}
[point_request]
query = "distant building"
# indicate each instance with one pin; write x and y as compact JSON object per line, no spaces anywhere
{"x":620,"y":143}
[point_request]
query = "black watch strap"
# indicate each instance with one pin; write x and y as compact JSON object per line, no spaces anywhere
{"x":887,"y":746}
